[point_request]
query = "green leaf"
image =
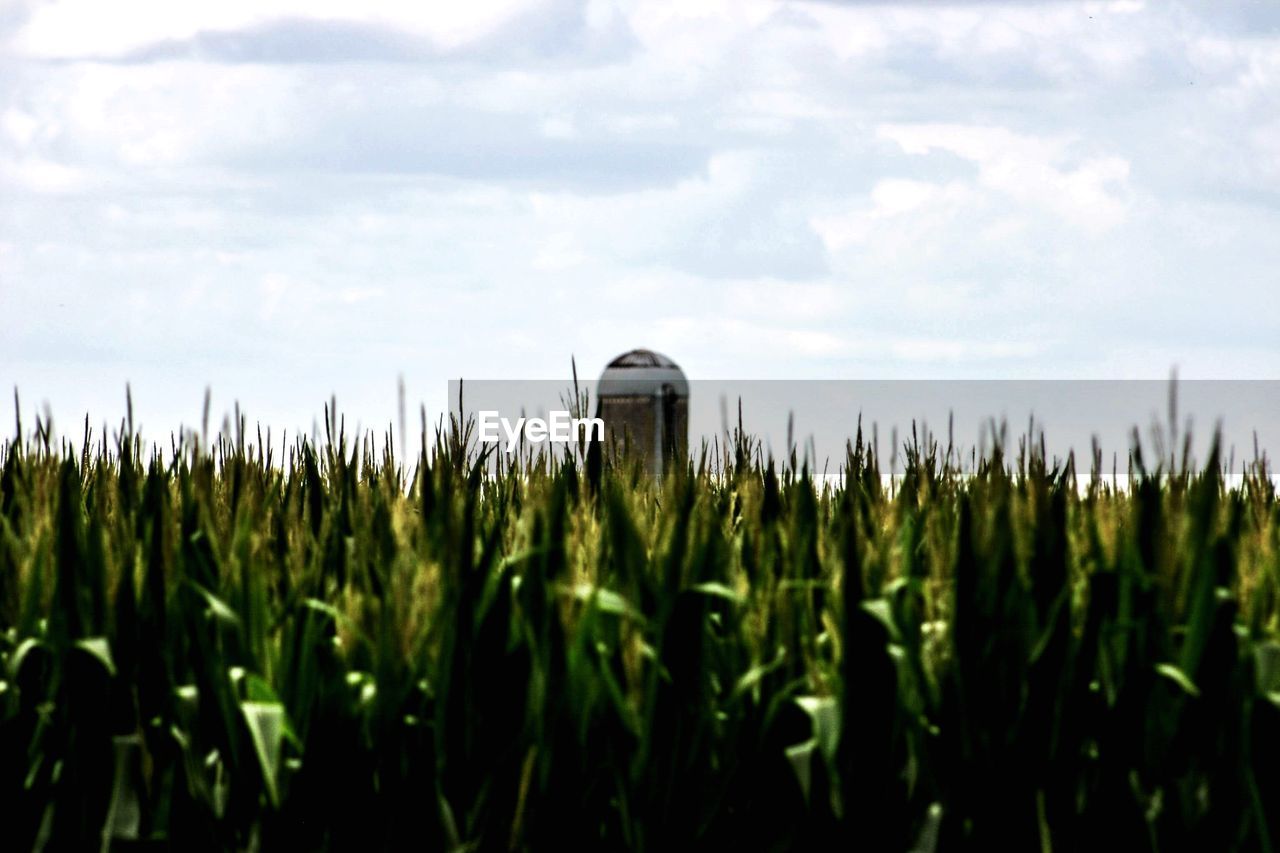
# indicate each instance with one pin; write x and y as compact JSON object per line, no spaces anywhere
{"x":824,"y":714}
{"x":717,"y":590}
{"x":801,"y":758}
{"x":21,"y":653}
{"x":883,"y":613}
{"x":100,"y":649}
{"x":1178,"y":677}
{"x":605,"y":600}
{"x":1266,"y":666}
{"x":217,"y":606}
{"x":255,"y":688}
{"x":752,"y":677}
{"x":266,"y":722}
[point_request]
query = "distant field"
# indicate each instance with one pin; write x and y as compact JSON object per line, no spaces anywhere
{"x":220,"y":648}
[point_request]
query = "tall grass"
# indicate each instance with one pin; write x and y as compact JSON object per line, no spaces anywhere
{"x":221,"y":648}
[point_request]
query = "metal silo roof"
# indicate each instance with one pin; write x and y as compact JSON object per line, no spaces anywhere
{"x":641,"y":372}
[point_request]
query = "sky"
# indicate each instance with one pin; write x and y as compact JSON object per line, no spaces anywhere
{"x":283,"y":200}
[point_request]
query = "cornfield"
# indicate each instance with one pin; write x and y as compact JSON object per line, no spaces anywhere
{"x":249,"y":645}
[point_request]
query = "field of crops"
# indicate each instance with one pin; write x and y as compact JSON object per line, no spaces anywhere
{"x":250,"y":646}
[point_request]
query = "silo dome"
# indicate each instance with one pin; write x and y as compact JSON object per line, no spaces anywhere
{"x":643,"y":399}
{"x":641,"y":371}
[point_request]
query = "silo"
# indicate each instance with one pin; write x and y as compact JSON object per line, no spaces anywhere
{"x":643,"y":399}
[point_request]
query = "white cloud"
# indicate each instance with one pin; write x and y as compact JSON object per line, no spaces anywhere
{"x":900,"y":209}
{"x":559,"y":127}
{"x":560,"y":251}
{"x":740,"y":338}
{"x":43,"y":176}
{"x":756,"y":187}
{"x":1090,"y":192}
{"x":83,"y":28}
{"x":21,"y":127}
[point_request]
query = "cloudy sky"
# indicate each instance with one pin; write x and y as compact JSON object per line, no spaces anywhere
{"x":284,"y":199}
